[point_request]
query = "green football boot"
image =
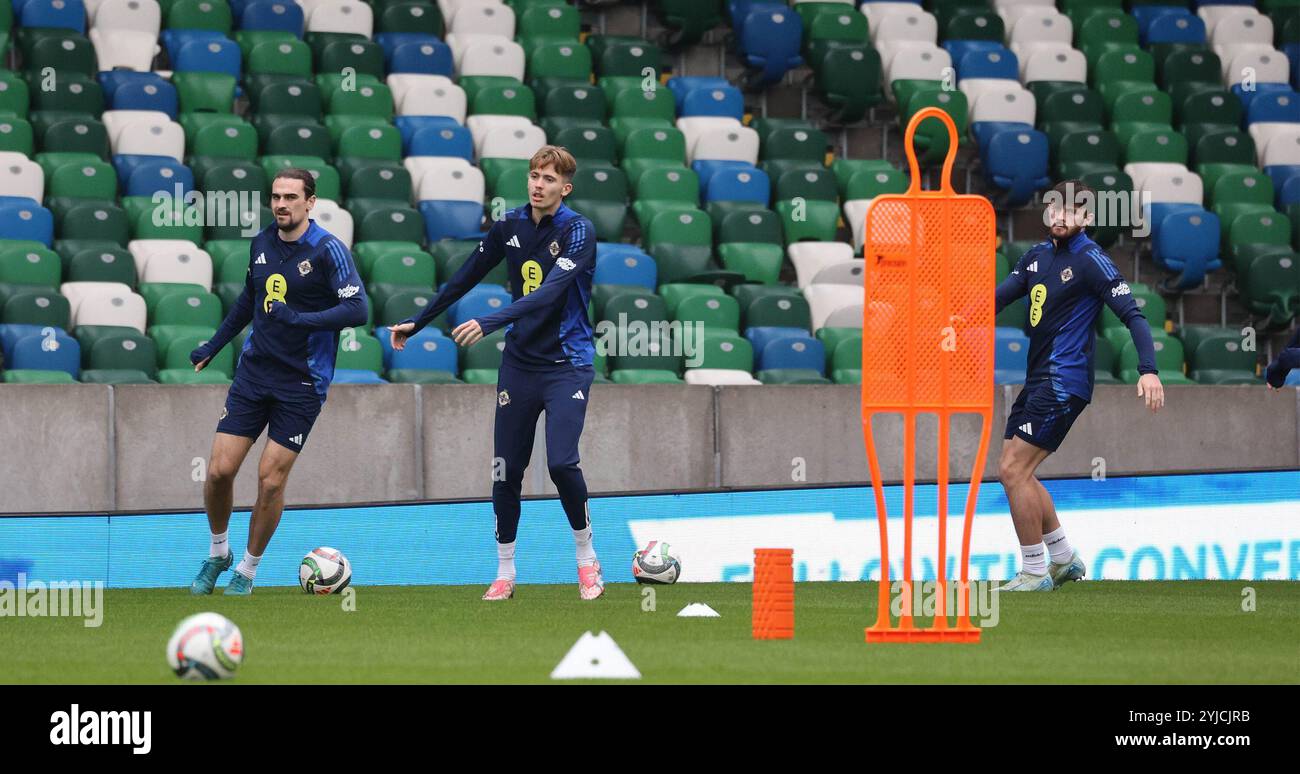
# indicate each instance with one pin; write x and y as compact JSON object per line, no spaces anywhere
{"x":240,"y":586}
{"x":207,"y":577}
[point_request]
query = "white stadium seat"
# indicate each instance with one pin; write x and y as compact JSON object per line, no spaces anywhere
{"x":1051,"y":63}
{"x":718,"y":377}
{"x":192,"y":267}
{"x":452,"y":182}
{"x":418,"y":166}
{"x":1282,"y":148}
{"x":142,"y":250}
{"x":512,"y":142}
{"x":333,"y":219}
{"x":852,"y":272}
{"x":482,"y":17}
{"x":1213,"y":14}
{"x":151,"y":137}
{"x":855,"y":214}
{"x":122,"y":15}
{"x":1268,"y":66}
{"x":825,"y":300}
{"x":715,"y":143}
{"x":876,"y":13}
{"x":1040,"y":25}
{"x":1014,"y":103}
{"x":20,"y":176}
{"x":899,"y":30}
{"x":918,"y":60}
{"x":105,"y":303}
{"x":1166,"y":183}
{"x":848,"y":316}
{"x":342,"y":16}
{"x":808,"y":258}
{"x":480,"y":125}
{"x":492,"y":56}
{"x":427,"y":95}
{"x":115,"y":120}
{"x":124,"y":49}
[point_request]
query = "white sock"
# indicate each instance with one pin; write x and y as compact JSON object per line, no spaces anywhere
{"x":220,"y":545}
{"x":505,"y":561}
{"x":248,"y":567}
{"x":586,"y":550}
{"x":1058,"y":545}
{"x":1035,"y":559}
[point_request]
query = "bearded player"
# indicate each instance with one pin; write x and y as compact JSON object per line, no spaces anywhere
{"x":1067,"y":279}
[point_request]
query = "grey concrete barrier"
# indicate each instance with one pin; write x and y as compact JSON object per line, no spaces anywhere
{"x":788,"y":435}
{"x":54,"y":448}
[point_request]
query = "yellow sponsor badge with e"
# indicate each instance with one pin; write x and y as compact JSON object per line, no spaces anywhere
{"x":276,"y":288}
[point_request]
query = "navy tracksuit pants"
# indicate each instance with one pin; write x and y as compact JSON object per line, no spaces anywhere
{"x":521,"y":398}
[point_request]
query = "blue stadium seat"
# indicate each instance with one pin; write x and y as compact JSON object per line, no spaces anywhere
{"x":125,"y":164}
{"x":480,"y":301}
{"x":389,"y":42}
{"x":792,"y":352}
{"x":1016,"y":162}
{"x":175,"y":40}
{"x":985,"y":131}
{"x":769,"y":39}
{"x":11,"y":333}
{"x":706,"y":169}
{"x":441,"y":356}
{"x":407,"y":126}
{"x":1274,"y":106}
{"x":20,"y":219}
{"x":761,"y":335}
{"x":1289,"y":193}
{"x":237,"y":11}
{"x":38,"y":351}
{"x":1010,"y":356}
{"x":681,"y":85}
{"x":724,"y":101}
{"x":989,"y":63}
{"x":1158,"y":212}
{"x":737,"y":184}
{"x":62,"y":14}
{"x":959,"y":48}
{"x":1292,"y":379}
{"x":448,"y":219}
{"x":357,"y":376}
{"x":1247,"y":97}
{"x":625,"y":267}
{"x":450,"y":139}
{"x":428,"y":57}
{"x":1146,"y":14}
{"x":159,"y":173}
{"x":1188,"y":243}
{"x":1175,"y":27}
{"x":209,"y":55}
{"x":283,"y":15}
{"x":128,"y":90}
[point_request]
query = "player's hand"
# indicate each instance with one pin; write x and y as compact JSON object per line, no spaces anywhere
{"x":200,"y":356}
{"x":399,"y":334}
{"x":1149,"y":387}
{"x":282,"y":312}
{"x":467,"y":333}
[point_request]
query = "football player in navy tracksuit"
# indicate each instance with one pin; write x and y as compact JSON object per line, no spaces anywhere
{"x":1281,"y":366}
{"x":1067,"y":279}
{"x":547,"y":363}
{"x":302,"y":288}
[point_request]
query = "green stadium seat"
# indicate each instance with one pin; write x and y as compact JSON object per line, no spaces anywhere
{"x":114,"y":376}
{"x":548,"y":24}
{"x":129,"y":350}
{"x":777,"y":310}
{"x":1169,"y":360}
{"x":848,"y":77}
{"x":364,"y":57}
{"x":36,"y":376}
{"x":30,"y":266}
{"x":652,"y":148}
{"x":644,"y":376}
{"x":188,"y":376}
{"x":111,"y":265}
{"x":205,"y":92}
{"x":688,"y":20}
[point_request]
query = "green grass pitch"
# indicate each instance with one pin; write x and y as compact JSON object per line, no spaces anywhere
{"x":1093,"y":632}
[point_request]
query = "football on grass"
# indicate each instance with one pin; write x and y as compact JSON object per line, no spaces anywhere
{"x":324,"y":571}
{"x":206,"y":646}
{"x":656,"y":563}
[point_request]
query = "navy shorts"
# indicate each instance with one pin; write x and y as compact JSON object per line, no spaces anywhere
{"x":251,"y":407}
{"x":1042,"y":417}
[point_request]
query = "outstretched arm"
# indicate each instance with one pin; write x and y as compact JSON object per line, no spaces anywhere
{"x":241,"y":313}
{"x":1106,"y":281}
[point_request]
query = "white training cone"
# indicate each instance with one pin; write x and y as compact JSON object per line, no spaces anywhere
{"x":595,"y":656}
{"x":698,"y":610}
